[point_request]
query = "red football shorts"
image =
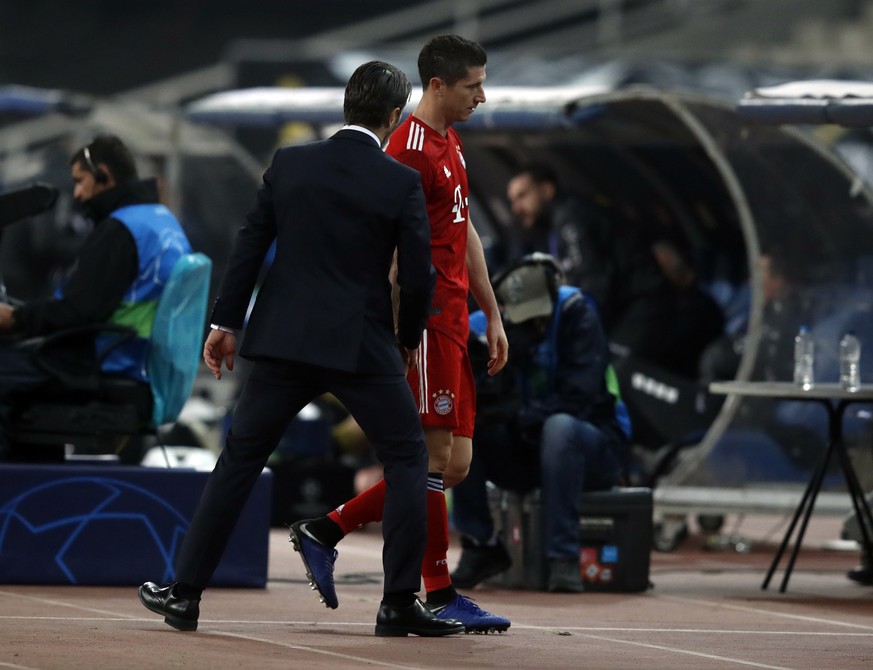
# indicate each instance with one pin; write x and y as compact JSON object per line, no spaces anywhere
{"x":442,"y":383}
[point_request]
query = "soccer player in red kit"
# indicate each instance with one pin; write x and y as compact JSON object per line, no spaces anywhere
{"x":452,"y":71}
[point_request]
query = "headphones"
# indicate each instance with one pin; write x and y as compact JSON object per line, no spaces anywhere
{"x":552,"y":271}
{"x":99,"y":175}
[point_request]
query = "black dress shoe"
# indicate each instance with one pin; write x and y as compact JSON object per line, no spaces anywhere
{"x":180,"y":613}
{"x":415,"y":619}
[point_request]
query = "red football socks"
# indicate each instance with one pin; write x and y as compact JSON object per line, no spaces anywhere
{"x":367,"y":508}
{"x":435,"y":565}
{"x":364,"y":508}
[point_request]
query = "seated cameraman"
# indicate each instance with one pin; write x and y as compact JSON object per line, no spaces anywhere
{"x":118,"y":276}
{"x":547,"y":420}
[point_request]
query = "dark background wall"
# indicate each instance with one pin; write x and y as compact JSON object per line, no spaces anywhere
{"x":107,"y":46}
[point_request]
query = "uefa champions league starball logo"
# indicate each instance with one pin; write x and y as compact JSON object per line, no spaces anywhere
{"x":102,"y":526}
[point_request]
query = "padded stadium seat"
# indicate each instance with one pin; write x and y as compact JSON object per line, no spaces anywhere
{"x":100,"y":414}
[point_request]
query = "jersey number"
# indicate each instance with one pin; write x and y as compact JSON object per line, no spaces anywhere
{"x":460,"y":205}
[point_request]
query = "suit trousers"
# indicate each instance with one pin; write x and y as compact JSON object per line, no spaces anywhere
{"x":274,"y":393}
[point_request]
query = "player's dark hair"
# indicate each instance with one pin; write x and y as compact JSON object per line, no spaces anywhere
{"x":374,"y":90}
{"x":449,"y":57}
{"x":110,"y":151}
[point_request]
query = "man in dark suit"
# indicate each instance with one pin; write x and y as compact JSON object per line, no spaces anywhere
{"x":323,"y":322}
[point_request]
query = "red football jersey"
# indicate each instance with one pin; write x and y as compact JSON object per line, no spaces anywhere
{"x":440,"y":161}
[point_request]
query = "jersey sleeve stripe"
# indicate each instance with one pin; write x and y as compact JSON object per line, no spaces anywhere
{"x":415,"y":139}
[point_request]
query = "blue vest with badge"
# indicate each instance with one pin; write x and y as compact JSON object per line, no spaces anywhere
{"x":160,"y":242}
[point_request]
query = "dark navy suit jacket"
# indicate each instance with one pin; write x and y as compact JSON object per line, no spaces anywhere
{"x":337,"y":208}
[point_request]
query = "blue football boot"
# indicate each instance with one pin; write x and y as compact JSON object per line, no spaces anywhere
{"x":318,"y":559}
{"x":474,"y":618}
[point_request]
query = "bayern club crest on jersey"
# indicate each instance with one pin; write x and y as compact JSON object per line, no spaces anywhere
{"x":443,"y":402}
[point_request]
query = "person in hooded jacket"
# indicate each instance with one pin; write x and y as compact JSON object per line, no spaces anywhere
{"x":117,"y":277}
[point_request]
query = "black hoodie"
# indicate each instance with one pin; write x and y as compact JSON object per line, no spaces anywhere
{"x":104,"y":268}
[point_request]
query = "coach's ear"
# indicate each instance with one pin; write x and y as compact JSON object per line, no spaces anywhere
{"x":394,"y":117}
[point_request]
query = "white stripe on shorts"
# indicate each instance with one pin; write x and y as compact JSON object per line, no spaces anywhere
{"x":423,"y":404}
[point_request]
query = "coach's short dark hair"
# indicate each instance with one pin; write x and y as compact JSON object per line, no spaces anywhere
{"x":110,"y":151}
{"x":374,"y":90}
{"x":449,"y":57}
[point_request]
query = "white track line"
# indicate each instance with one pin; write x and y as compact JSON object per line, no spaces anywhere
{"x":674,"y":650}
{"x":313,"y":650}
{"x":60,"y":603}
{"x":582,"y":630}
{"x":684,"y":631}
{"x":587,"y":632}
{"x":708,"y":604}
{"x":759,"y":610}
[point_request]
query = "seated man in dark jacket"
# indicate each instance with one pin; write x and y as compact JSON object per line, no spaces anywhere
{"x":566,"y":432}
{"x":118,"y":275}
{"x":610,"y":257}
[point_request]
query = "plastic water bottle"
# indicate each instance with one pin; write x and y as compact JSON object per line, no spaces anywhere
{"x":850,"y":359}
{"x":804,"y":358}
